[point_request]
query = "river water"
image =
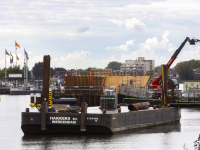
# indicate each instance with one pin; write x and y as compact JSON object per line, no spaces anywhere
{"x":165,"y":137}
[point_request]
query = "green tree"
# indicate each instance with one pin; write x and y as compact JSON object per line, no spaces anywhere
{"x":114,"y":65}
{"x":2,"y":73}
{"x":158,"y":68}
{"x":14,"y":69}
{"x":185,"y":71}
{"x":197,"y":144}
{"x":151,"y":72}
{"x":194,"y":63}
{"x":38,"y":70}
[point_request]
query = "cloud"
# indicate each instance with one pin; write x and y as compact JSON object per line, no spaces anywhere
{"x":152,"y":44}
{"x":54,"y":27}
{"x":188,"y":53}
{"x":83,"y":29}
{"x":165,"y":37}
{"x":171,"y":47}
{"x":121,"y":47}
{"x":151,"y":50}
{"x":105,"y":62}
{"x":116,"y":21}
{"x":130,"y":24}
{"x":134,"y":23}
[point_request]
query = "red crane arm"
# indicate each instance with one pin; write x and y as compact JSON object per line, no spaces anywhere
{"x":174,"y":56}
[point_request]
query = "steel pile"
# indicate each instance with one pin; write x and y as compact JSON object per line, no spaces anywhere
{"x":139,"y":106}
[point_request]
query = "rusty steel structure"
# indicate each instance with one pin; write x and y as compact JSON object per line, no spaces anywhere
{"x":139,"y":106}
{"x":86,"y":88}
{"x":45,"y":92}
{"x":164,"y":85}
{"x":90,"y":87}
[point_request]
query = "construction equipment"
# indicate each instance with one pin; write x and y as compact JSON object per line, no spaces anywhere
{"x":173,"y":83}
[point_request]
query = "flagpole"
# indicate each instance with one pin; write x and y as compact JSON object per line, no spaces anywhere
{"x":24,"y":68}
{"x":16,"y":52}
{"x":5,"y":65}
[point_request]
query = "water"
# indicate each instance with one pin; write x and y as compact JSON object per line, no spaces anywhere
{"x":166,"y":137}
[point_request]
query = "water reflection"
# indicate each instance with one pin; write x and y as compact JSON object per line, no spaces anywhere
{"x":63,"y":141}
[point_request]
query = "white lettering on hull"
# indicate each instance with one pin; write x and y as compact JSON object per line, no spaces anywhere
{"x":63,"y":120}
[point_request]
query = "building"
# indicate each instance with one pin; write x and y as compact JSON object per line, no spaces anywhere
{"x":189,"y":85}
{"x":172,"y":73}
{"x":138,"y":65}
{"x":59,"y":73}
{"x":101,"y":71}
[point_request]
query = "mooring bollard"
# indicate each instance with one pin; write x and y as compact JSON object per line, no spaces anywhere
{"x":38,"y":99}
{"x":104,"y":111}
{"x":32,"y":102}
{"x":44,"y":111}
{"x":83,"y":116}
{"x":27,"y":109}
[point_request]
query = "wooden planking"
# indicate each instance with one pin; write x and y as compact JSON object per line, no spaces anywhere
{"x":138,"y":81}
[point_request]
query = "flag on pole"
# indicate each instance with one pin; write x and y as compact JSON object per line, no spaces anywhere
{"x":26,"y":54}
{"x":17,"y":58}
{"x":16,"y":44}
{"x":11,"y":60}
{"x":11,"y":55}
{"x":7,"y":53}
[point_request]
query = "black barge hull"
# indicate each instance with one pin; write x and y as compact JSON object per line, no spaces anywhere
{"x":64,"y":123}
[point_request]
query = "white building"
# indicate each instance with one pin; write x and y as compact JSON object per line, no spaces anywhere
{"x":138,"y":65}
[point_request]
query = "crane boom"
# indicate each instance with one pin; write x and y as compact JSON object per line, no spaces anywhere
{"x":174,"y":56}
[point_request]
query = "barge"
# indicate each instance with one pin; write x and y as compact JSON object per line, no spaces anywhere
{"x":97,"y":121}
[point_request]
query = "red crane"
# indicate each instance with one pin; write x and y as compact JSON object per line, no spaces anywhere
{"x":156,"y":83}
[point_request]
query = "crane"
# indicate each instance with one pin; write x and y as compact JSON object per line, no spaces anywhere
{"x":156,"y":82}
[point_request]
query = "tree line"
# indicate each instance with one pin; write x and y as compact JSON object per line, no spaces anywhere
{"x":185,"y":69}
{"x":13,"y":70}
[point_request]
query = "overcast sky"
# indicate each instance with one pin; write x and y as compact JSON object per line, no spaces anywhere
{"x":90,"y":33}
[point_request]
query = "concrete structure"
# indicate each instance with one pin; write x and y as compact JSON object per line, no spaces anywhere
{"x":139,"y":65}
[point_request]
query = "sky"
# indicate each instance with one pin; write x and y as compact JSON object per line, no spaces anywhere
{"x":90,"y":33}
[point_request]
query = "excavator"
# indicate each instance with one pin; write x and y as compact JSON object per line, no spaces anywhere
{"x":173,"y":82}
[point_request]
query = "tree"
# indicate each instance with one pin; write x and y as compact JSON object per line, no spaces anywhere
{"x":185,"y":71}
{"x":158,"y":68}
{"x":2,"y":73}
{"x":197,"y":143}
{"x":114,"y":65}
{"x":151,"y":72}
{"x":194,"y":63}
{"x":38,"y":70}
{"x":14,"y":69}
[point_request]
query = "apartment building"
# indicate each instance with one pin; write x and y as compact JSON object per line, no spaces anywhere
{"x":139,"y":65}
